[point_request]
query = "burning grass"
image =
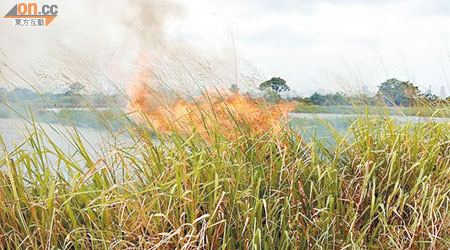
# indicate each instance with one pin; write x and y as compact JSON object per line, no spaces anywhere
{"x":383,"y":185}
{"x":229,"y":113}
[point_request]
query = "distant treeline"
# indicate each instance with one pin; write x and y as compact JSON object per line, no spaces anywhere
{"x":68,"y":99}
{"x":392,"y":92}
{"x":69,"y":107}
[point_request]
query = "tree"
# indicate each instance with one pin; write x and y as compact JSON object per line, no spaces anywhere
{"x":22,"y":95}
{"x":234,"y":89}
{"x":273,"y":88}
{"x":72,"y":95}
{"x":3,"y":92}
{"x":276,"y":84}
{"x":317,"y":99}
{"x":75,"y":88}
{"x":394,"y":92}
{"x":329,"y":99}
{"x":431,"y":98}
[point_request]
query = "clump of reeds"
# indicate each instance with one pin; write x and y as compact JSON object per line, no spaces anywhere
{"x":381,"y":185}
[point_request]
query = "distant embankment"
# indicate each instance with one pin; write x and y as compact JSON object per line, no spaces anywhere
{"x":382,"y":110}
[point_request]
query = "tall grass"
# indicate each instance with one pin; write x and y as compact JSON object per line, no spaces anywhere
{"x":382,"y":185}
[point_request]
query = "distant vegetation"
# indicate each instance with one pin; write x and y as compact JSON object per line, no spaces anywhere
{"x":70,"y":98}
{"x":400,"y":98}
{"x":393,"y":93}
{"x":71,"y":106}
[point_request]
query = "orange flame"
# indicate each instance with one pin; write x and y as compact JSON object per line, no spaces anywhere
{"x":225,"y":113}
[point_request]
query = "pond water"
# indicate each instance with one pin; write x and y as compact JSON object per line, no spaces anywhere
{"x":14,"y":131}
{"x":317,"y":125}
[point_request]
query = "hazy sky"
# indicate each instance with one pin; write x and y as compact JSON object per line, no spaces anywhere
{"x":324,"y":44}
{"x":330,"y":45}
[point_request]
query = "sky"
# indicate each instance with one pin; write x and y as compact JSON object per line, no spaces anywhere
{"x":315,"y":45}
